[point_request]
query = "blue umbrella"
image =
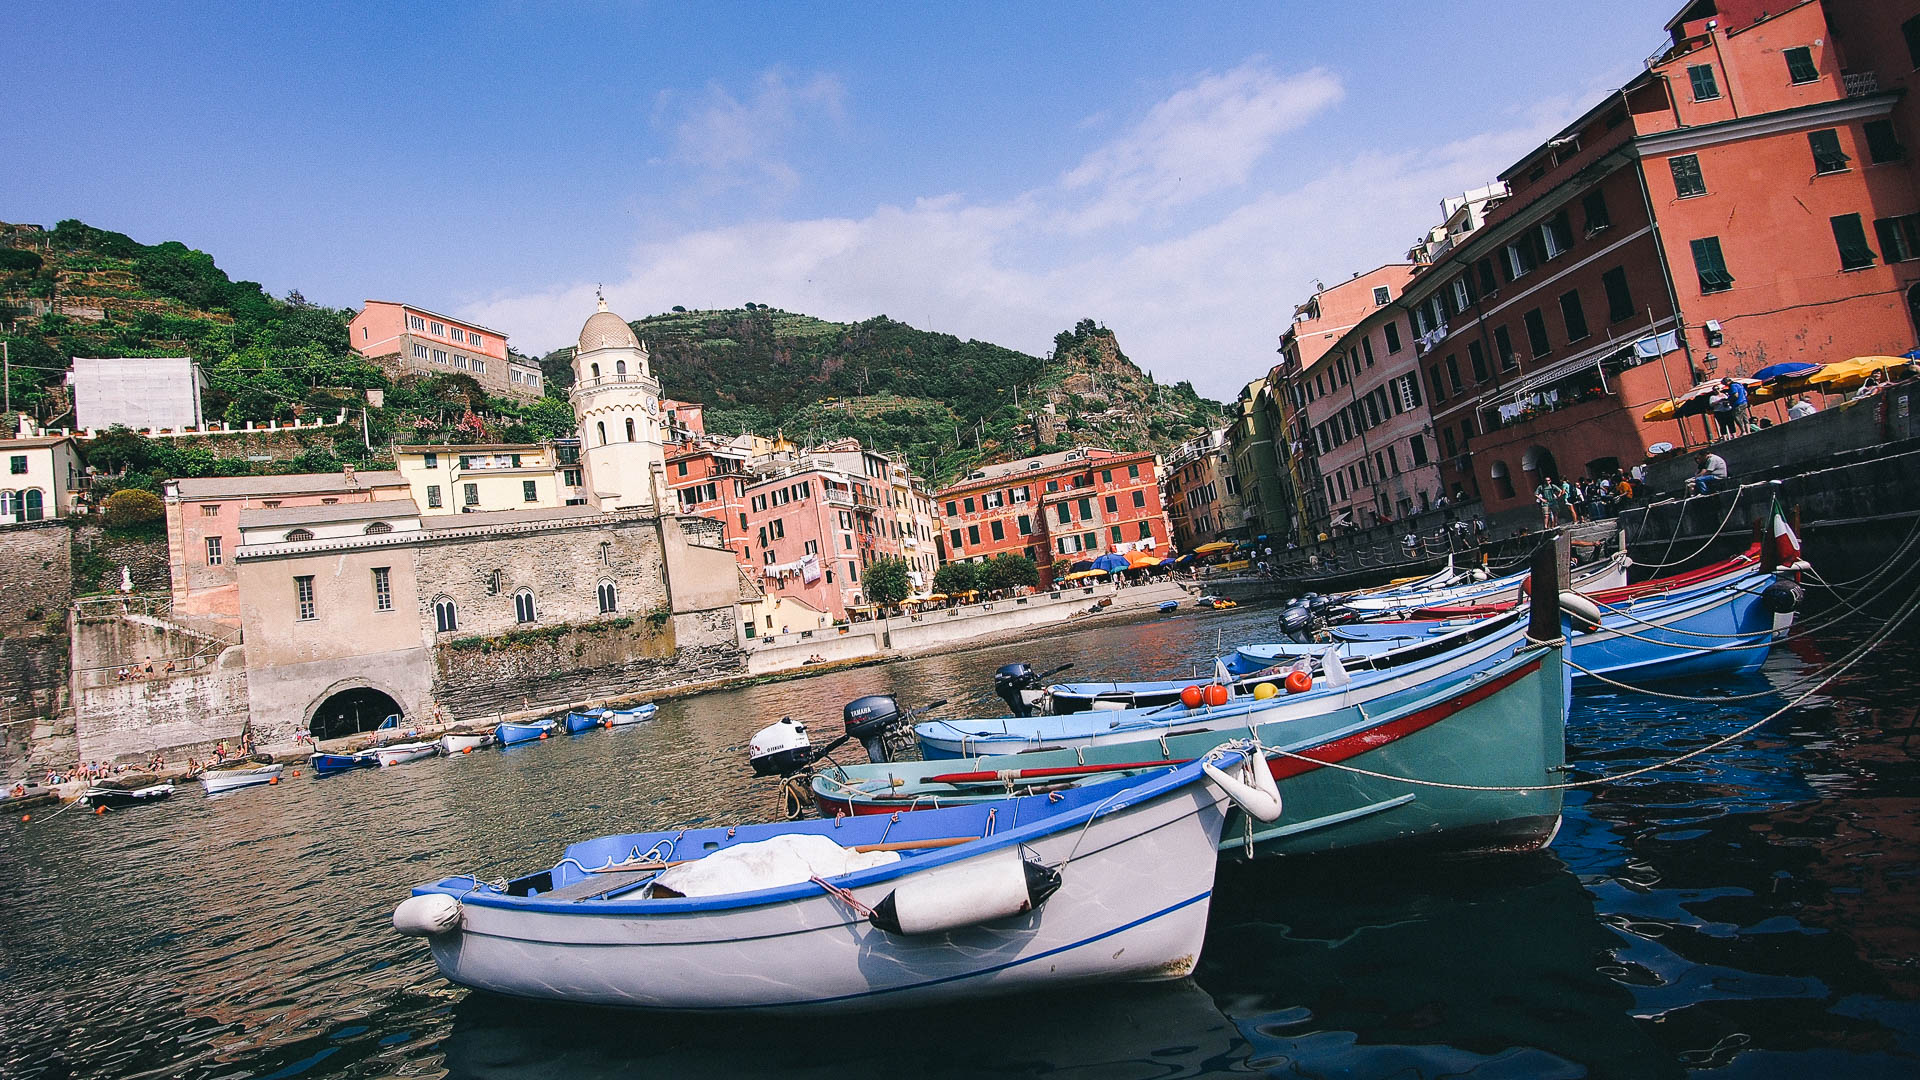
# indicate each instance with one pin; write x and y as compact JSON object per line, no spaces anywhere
{"x":1078,"y":565}
{"x":1787,"y":370}
{"x":1110,"y":562}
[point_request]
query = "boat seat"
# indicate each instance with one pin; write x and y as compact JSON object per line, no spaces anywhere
{"x":599,"y":885}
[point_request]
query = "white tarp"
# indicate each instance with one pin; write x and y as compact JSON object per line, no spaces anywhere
{"x":810,"y":568}
{"x":767,"y":864}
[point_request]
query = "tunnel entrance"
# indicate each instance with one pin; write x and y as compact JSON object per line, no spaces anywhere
{"x":349,"y":712}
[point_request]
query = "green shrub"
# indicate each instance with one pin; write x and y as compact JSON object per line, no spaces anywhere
{"x":130,"y":508}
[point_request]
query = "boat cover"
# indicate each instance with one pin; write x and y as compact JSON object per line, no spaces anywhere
{"x":767,"y":864}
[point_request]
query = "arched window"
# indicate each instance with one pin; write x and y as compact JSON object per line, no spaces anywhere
{"x":596,"y":370}
{"x":9,"y":502}
{"x":378,"y":527}
{"x":523,"y":606}
{"x":629,"y":429}
{"x":607,"y":598}
{"x":446,"y":617}
{"x":620,"y":368}
{"x":1502,"y":483}
{"x":31,"y":508}
{"x":602,"y":425}
{"x":294,"y":536}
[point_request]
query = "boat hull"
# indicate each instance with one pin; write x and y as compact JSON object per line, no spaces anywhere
{"x":231,"y":779}
{"x":115,"y":798}
{"x":1504,"y":728}
{"x":454,"y":744}
{"x":1132,"y":906}
{"x":330,"y":764}
{"x":510,"y":734}
{"x":390,"y":756}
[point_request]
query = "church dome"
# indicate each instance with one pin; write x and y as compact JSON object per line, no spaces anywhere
{"x":605,"y":330}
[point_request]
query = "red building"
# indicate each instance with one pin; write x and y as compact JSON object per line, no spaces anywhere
{"x":1749,"y":199}
{"x":1072,"y":505}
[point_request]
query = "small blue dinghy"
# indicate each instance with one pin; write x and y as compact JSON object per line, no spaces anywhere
{"x":511,"y":733}
{"x":330,"y":764}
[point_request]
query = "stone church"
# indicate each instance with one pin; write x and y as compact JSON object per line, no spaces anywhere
{"x":353,"y":611}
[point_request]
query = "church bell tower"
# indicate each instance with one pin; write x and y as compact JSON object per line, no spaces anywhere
{"x":616,"y":403}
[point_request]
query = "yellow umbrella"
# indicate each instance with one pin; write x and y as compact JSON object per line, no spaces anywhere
{"x":1083,"y":574}
{"x":1845,"y":375}
{"x":1680,"y":403}
{"x":935,"y":598}
{"x":1139,"y":559}
{"x":1216,"y":546}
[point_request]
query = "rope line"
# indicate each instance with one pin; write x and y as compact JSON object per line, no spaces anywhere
{"x":1872,"y":642}
{"x":1680,"y":522}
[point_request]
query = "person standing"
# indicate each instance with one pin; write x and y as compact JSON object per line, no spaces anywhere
{"x":1799,"y":408}
{"x":1742,"y":412}
{"x":1721,"y":403}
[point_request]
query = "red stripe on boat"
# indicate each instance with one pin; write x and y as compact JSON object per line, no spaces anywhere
{"x":1342,"y":749}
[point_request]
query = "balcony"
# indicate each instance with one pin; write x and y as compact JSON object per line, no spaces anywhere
{"x":1860,"y":83}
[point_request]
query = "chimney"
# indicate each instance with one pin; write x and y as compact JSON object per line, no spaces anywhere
{"x":346,"y":473}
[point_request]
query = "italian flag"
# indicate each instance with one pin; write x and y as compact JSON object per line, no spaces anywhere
{"x":1786,"y":544}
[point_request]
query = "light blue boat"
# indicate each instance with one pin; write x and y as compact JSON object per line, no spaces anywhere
{"x":1466,"y":650}
{"x":510,"y":733}
{"x":578,"y":722}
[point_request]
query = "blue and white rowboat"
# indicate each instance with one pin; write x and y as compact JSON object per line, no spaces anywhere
{"x":1110,"y":882}
{"x":511,"y":733}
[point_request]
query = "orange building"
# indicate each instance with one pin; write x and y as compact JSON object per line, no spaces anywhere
{"x":1748,"y":199}
{"x":429,"y":343}
{"x":1072,"y":505}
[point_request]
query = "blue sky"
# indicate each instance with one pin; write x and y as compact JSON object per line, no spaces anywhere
{"x":1181,"y":173}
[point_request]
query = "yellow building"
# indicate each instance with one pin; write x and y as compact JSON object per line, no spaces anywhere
{"x":492,"y":476}
{"x":38,"y":478}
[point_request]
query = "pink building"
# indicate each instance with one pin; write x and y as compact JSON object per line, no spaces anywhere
{"x":812,"y":527}
{"x":429,"y":343}
{"x":203,"y":526}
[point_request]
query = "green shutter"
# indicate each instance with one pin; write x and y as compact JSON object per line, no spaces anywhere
{"x":1800,"y":65}
{"x":1710,"y":265}
{"x":1827,"y":155}
{"x":1852,"y":239}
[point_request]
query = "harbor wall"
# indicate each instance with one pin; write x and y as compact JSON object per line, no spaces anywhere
{"x":1879,"y":422}
{"x":33,"y":635}
{"x":179,"y":714}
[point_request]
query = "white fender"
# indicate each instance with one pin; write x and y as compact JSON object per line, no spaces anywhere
{"x":1261,"y":798}
{"x":996,"y":886}
{"x":1585,"y":612}
{"x":1334,"y":671}
{"x":428,"y":915}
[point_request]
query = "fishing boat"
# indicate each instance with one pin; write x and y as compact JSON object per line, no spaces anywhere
{"x":1126,"y":719}
{"x":634,"y":715}
{"x":457,"y":743}
{"x":1104,"y":883}
{"x":1610,"y":573}
{"x":401,"y":753}
{"x":508,"y":734}
{"x":1463,"y":763}
{"x":577,"y":722}
{"x":228,"y":779}
{"x":1170,"y":605}
{"x":115,"y":794}
{"x":330,"y":764}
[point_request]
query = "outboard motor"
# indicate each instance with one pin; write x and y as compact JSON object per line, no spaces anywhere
{"x":1295,"y":620}
{"x":780,"y":749}
{"x":871,"y":721}
{"x":1012,"y":682}
{"x":1782,"y":596}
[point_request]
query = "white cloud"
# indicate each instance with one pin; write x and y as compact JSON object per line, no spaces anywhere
{"x":1205,"y":301}
{"x":736,"y":141}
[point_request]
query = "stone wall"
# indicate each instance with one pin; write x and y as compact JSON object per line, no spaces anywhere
{"x":178,"y":715}
{"x":554,"y":667}
{"x":99,"y":554}
{"x":563,"y":568}
{"x":37,"y":588}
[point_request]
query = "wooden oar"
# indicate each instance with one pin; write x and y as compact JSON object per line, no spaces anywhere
{"x":897,"y":845}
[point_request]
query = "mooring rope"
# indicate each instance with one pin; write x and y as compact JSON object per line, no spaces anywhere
{"x":1679,"y":523}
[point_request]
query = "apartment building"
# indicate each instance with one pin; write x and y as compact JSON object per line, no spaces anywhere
{"x":1065,"y":506}
{"x":415,"y":340}
{"x":468,"y":479}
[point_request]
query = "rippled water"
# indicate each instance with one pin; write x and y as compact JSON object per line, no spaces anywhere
{"x":1753,"y":913}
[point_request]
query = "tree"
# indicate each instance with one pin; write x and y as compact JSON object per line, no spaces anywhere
{"x":886,"y":581}
{"x":1010,"y":570}
{"x":956,"y":577}
{"x":131,"y":507}
{"x":119,"y":449}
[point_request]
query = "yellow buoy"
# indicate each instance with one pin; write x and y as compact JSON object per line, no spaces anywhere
{"x":1264,"y":691}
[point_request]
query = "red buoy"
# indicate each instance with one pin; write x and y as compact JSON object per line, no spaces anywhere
{"x":99,"y":810}
{"x":26,"y":817}
{"x":1217,"y":694}
{"x":1299,"y":682}
{"x":466,"y":749}
{"x":1192,"y":697}
{"x":543,"y":734}
{"x":273,"y":779}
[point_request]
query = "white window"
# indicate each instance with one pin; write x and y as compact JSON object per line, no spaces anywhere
{"x":1404,"y":385}
{"x":1460,"y":297}
{"x":415,"y":322}
{"x":473,"y":338}
{"x":523,"y":606}
{"x":479,"y":366}
{"x":303,"y":596}
{"x":446,"y":618}
{"x":433,"y":496}
{"x":382,"y":588}
{"x":437,"y":328}
{"x":470,"y":493}
{"x":213,"y":551}
{"x":419,"y":351}
{"x":607,"y":597}
{"x":210,"y":510}
{"x":439,"y":356}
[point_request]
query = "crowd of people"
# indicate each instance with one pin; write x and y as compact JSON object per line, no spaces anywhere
{"x":1570,"y":502}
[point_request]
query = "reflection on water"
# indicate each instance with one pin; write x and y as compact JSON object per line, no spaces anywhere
{"x":1751,"y":912}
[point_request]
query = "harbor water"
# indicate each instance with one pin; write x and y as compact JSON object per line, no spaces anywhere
{"x":1754,"y":912}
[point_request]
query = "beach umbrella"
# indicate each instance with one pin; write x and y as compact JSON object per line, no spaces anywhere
{"x":1790,"y":370}
{"x":1110,"y":562}
{"x":1845,"y":375}
{"x":1081,"y":575}
{"x":1216,"y":546}
{"x":1080,"y":564}
{"x":1185,"y":559}
{"x":1137,"y":560}
{"x":935,"y":598}
{"x":1692,"y":401}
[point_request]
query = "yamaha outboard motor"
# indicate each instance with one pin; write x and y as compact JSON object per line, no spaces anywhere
{"x":1294,"y":621}
{"x":1011,"y":682}
{"x":780,"y":749}
{"x":871,"y":721}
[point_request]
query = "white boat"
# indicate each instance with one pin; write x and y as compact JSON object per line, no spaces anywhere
{"x":1109,"y":882}
{"x":401,"y":753}
{"x":623,"y":717}
{"x":218,"y":780}
{"x":455,"y":744}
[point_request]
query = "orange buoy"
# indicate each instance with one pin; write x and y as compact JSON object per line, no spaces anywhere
{"x":273,"y":779}
{"x":99,"y":810}
{"x":26,"y":817}
{"x":296,"y":772}
{"x":1299,"y":682}
{"x":543,"y":734}
{"x":466,"y":749}
{"x":606,"y":724}
{"x":1192,"y":696}
{"x":1217,"y":694}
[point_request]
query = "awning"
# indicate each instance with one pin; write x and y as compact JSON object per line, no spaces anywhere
{"x":1216,"y":546}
